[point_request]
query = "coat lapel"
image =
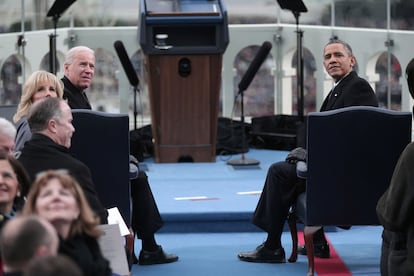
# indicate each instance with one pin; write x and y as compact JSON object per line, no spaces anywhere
{"x":335,"y":93}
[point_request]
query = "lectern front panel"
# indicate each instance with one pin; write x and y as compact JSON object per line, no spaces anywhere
{"x":184,"y":109}
{"x":183,"y":41}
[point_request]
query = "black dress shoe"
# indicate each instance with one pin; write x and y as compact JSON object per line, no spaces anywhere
{"x":263,"y":255}
{"x":156,"y":257}
{"x":319,"y":250}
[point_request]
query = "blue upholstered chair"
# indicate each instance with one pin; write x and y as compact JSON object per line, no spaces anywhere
{"x":101,"y":141}
{"x":351,"y":157}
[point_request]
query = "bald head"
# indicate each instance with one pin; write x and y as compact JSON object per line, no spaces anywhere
{"x":36,"y":235}
{"x":7,"y":135}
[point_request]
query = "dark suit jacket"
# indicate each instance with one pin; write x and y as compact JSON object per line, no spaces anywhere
{"x":76,"y":98}
{"x":396,"y":206}
{"x":351,"y":91}
{"x":41,"y":153}
{"x":86,"y":253}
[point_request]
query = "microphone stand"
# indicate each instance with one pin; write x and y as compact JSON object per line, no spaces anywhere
{"x":296,"y":7}
{"x":52,"y":46}
{"x":58,"y":7}
{"x":136,"y":91}
{"x":243,"y":161}
{"x":299,"y":68}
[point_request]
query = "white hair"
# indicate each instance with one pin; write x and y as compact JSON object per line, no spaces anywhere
{"x":73,"y":52}
{"x":7,"y":128}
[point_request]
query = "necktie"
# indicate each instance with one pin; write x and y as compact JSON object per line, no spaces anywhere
{"x":86,"y":99}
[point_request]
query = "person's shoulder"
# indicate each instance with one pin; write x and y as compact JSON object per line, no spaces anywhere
{"x":357,"y":82}
{"x":356,"y":78}
{"x":84,"y":239}
{"x":408,"y":151}
{"x":22,"y":122}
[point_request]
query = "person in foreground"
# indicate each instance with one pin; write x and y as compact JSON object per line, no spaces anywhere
{"x":79,"y":70}
{"x":24,"y":239}
{"x":14,"y":186}
{"x":40,"y":85}
{"x":60,"y":265}
{"x":395,"y":210}
{"x":7,"y":135}
{"x":282,"y":185}
{"x":58,"y":198}
{"x":50,"y":121}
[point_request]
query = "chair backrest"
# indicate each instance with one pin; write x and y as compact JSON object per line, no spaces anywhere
{"x":8,"y":111}
{"x":101,"y":141}
{"x":352,"y":153}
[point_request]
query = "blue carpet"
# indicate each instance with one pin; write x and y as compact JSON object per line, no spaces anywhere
{"x":207,"y":209}
{"x":209,"y":197}
{"x":215,"y":254}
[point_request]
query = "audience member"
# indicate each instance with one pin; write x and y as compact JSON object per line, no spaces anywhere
{"x":7,"y":135}
{"x":60,"y":265}
{"x":39,"y":85}
{"x":50,"y":121}
{"x":282,"y":185}
{"x":14,"y":184}
{"x":26,"y":238}
{"x":395,"y":210}
{"x":57,"y":197}
{"x":79,"y":68}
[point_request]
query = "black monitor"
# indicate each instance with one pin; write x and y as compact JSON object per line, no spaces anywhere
{"x":296,"y":6}
{"x":59,"y":7}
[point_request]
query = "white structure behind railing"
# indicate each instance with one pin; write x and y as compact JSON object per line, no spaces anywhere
{"x":115,"y":95}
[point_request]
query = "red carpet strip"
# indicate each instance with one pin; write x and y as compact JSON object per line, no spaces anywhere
{"x":331,"y":266}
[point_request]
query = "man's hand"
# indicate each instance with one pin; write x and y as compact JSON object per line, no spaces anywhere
{"x":297,"y":154}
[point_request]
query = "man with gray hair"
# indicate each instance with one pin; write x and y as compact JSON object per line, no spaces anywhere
{"x":7,"y":135}
{"x":146,"y":220}
{"x":25,"y":238}
{"x":79,"y":70}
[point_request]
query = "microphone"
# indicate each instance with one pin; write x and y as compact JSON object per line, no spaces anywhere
{"x":255,"y":65}
{"x":126,"y":63}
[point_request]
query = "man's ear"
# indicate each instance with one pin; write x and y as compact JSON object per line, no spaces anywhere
{"x":52,"y":125}
{"x":65,"y":68}
{"x":353,"y":61}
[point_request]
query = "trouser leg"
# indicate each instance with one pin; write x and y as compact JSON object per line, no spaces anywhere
{"x":146,"y":219}
{"x":279,"y":192}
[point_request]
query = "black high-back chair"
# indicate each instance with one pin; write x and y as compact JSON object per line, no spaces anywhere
{"x":351,"y":157}
{"x":101,"y":141}
{"x":8,"y":111}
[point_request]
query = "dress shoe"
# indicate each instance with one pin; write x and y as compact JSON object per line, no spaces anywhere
{"x":156,"y":257}
{"x":264,"y":255}
{"x":319,"y":250}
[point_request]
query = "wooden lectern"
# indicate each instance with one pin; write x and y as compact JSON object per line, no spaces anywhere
{"x":183,"y":42}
